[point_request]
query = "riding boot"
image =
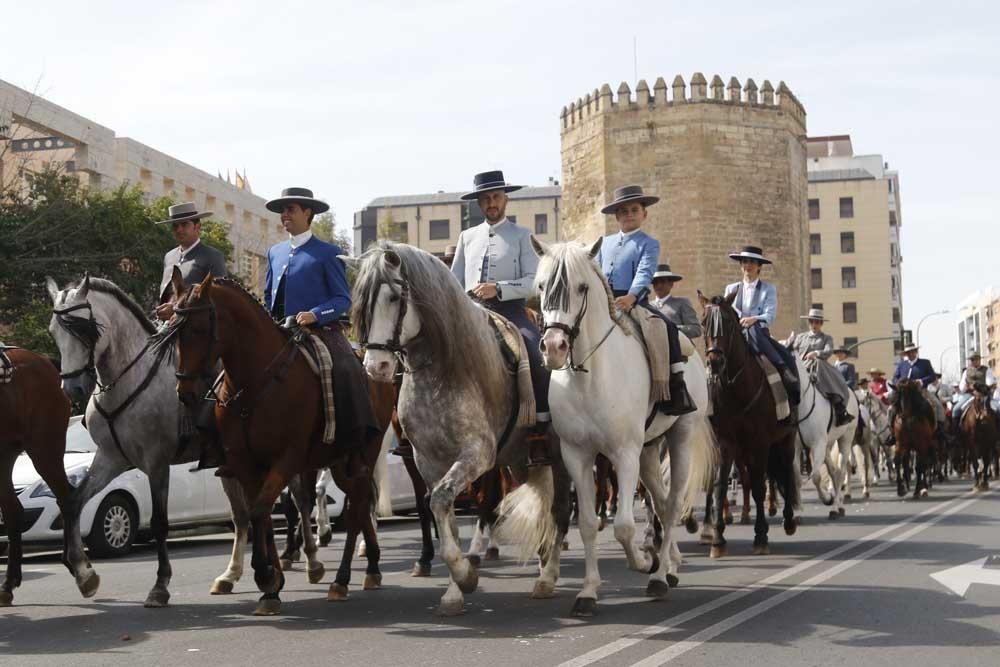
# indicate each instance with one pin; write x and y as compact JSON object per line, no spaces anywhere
{"x":680,"y":402}
{"x":403,"y":448}
{"x":207,"y":431}
{"x":538,"y":445}
{"x":841,"y":416}
{"x":791,"y":386}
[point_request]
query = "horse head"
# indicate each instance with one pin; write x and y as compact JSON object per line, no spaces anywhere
{"x":197,"y":332}
{"x":723,"y":332}
{"x":77,"y":333}
{"x":566,"y":279}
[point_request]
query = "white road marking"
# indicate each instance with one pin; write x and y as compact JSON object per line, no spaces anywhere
{"x":680,"y":648}
{"x":671,"y":623}
{"x":958,"y":579}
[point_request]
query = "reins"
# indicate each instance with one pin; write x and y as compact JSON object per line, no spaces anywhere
{"x":572,"y":332}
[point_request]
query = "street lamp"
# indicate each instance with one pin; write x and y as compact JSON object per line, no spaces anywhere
{"x":939,"y":312}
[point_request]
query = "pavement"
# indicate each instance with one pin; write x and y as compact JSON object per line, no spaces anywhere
{"x":854,"y":591}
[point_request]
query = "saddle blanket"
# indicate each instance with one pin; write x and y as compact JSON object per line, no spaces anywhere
{"x":6,"y":365}
{"x":511,"y":336}
{"x":781,"y":407}
{"x":653,"y":332}
{"x":319,"y":359}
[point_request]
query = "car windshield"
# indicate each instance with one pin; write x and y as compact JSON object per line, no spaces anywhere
{"x":77,"y":437}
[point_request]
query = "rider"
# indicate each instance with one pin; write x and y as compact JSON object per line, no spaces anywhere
{"x":756,"y":302}
{"x":976,"y":377}
{"x":879,"y":386}
{"x":911,"y":367}
{"x":814,"y":347}
{"x":495,"y":263}
{"x":307,"y":281}
{"x":195,"y":261}
{"x":846,"y":368}
{"x":628,"y":259}
{"x":677,"y":309}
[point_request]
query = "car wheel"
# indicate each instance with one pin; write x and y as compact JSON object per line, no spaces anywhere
{"x":115,"y":527}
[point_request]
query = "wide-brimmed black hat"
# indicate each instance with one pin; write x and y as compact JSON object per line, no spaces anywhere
{"x":627,"y":194}
{"x":186,"y":212}
{"x":301,"y":196}
{"x":841,"y":349}
{"x":663,"y":271}
{"x":750,"y":252}
{"x":487,"y":182}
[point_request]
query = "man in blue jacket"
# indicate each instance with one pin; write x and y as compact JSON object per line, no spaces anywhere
{"x":911,"y":367}
{"x":306,"y":280}
{"x":628,"y":260}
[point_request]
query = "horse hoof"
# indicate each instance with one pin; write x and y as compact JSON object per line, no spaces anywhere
{"x":847,"y":498}
{"x":706,"y":540}
{"x":672,"y":580}
{"x":923,"y":493}
{"x":421,"y":570}
{"x":221,"y":587}
{"x":790,"y":526}
{"x":762,"y":550}
{"x":268,"y":607}
{"x":691,"y":525}
{"x":543,"y":590}
{"x":325,"y":539}
{"x":834,"y":515}
{"x":841,"y":511}
{"x":337,"y":593}
{"x":866,"y":495}
{"x":469,"y":584}
{"x":286,"y":564}
{"x":372,"y":582}
{"x":658,"y":590}
{"x":729,"y":519}
{"x":362,"y":550}
{"x":565,"y":545}
{"x":772,"y":511}
{"x":900,"y":491}
{"x":493,"y":553}
{"x":6,"y":598}
{"x":474,"y":560}
{"x":584,"y":607}
{"x":157,"y":599}
{"x":744,"y":519}
{"x":718,"y":551}
{"x":451,"y":608}
{"x":89,"y":588}
{"x":316,"y":575}
{"x":601,"y":523}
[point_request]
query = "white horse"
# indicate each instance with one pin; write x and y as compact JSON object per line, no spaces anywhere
{"x":599,"y":397}
{"x":829,"y":445}
{"x":864,"y":458}
{"x":878,"y":426}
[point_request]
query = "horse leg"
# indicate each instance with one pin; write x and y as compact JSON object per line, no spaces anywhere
{"x":159,"y":491}
{"x":772,"y":498}
{"x":719,"y":549}
{"x":745,"y":484}
{"x":664,"y":509}
{"x":818,"y":455}
{"x":291,"y":552}
{"x":324,"y":529}
{"x":355,"y":512}
{"x":548,"y":573}
{"x":422,"y":568}
{"x":264,"y":561}
{"x":223,"y":584}
{"x":602,"y":475}
{"x":581,"y":470}
{"x":373,"y":553}
{"x":757,"y":476}
{"x":626,"y":464}
{"x":11,"y":509}
{"x":707,"y":536}
{"x":302,"y":491}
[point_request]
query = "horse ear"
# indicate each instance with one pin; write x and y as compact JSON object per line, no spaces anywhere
{"x":350,"y":262}
{"x":596,"y":247}
{"x":703,"y":299}
{"x":392,"y":258}
{"x":539,"y":247}
{"x":52,"y":288}
{"x":84,"y":288}
{"x":177,"y":283}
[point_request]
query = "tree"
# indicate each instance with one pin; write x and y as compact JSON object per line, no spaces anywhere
{"x":391,"y":230}
{"x":324,"y":227}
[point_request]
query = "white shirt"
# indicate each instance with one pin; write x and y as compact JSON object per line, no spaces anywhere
{"x":625,"y":235}
{"x":299,"y":240}
{"x":748,"y":292}
{"x":185,"y":251}
{"x":964,"y":387}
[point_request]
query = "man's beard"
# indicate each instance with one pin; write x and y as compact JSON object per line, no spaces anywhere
{"x":496,"y":217}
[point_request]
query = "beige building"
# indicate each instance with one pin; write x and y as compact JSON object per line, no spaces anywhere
{"x":728,"y":161}
{"x":434,"y":221}
{"x":35,"y":133}
{"x":978,"y":322}
{"x":854,"y":221}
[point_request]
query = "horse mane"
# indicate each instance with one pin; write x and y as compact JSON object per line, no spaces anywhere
{"x":910,"y":391}
{"x":242,"y":289}
{"x":564,"y":258}
{"x":451,"y":324}
{"x":107,"y":287}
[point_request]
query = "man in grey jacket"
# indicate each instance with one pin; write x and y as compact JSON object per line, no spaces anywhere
{"x":677,"y":309}
{"x":814,"y":347}
{"x":194,"y":258}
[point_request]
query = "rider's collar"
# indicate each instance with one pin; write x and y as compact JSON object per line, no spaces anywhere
{"x":626,"y":235}
{"x":299,"y":240}
{"x":500,"y":224}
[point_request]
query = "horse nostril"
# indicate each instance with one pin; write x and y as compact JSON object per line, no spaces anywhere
{"x":541,"y":345}
{"x":562,"y":345}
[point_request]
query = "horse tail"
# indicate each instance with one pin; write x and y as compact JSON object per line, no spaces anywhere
{"x":525,"y":515}
{"x":383,"y":486}
{"x":704,"y":449}
{"x":781,"y":469}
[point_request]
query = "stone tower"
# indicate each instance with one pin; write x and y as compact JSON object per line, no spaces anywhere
{"x":728,"y":163}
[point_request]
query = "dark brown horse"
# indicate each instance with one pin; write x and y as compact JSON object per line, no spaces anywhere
{"x":913,"y":425}
{"x":978,"y":434}
{"x":267,"y":380}
{"x":34,"y":415}
{"x":746,"y":423}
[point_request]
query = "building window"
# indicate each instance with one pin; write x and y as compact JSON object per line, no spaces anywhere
{"x":892,"y":218}
{"x":846,"y":242}
{"x":440,"y":229}
{"x":814,"y":209}
{"x":541,"y":223}
{"x":847,"y":207}
{"x":817,"y":278}
{"x":850,"y":312}
{"x":513,"y":219}
{"x":817,"y":306}
{"x":848,"y":277}
{"x":890,"y":186}
{"x":896,"y":316}
{"x":849,"y":343}
{"x":815,"y":244}
{"x":897,"y":346}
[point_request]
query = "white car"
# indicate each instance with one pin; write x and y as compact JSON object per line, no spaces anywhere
{"x":120,"y":514}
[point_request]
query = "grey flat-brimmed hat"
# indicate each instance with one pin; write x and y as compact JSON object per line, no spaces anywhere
{"x":814,"y":314}
{"x":750,"y":252}
{"x":186,"y":212}
{"x":627,"y":194}
{"x":974,"y":355}
{"x":488,"y":181}
{"x":663,"y":271}
{"x":911,"y":348}
{"x":301,"y":196}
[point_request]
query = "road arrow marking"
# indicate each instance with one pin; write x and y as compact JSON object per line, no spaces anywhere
{"x":958,"y":579}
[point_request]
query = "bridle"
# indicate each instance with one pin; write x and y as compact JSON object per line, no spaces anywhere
{"x":393,"y":345}
{"x":572,"y":332}
{"x":183,"y":312}
{"x":65,"y":319}
{"x":714,"y":330}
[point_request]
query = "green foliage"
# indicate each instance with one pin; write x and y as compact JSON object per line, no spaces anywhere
{"x":324,"y":227}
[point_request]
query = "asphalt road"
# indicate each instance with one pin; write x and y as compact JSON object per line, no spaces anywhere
{"x":855,"y":591}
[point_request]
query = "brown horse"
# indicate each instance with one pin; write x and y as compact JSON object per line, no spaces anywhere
{"x":913,"y":425}
{"x":978,"y":434}
{"x":34,"y":415}
{"x":746,"y":423}
{"x":266,"y":381}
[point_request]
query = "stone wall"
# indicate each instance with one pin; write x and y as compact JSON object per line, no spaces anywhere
{"x":727,"y":161}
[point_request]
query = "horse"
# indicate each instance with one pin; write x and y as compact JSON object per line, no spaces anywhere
{"x":978,"y":432}
{"x":34,"y":416}
{"x":864,"y":454}
{"x":746,"y":424}
{"x":458,"y":401}
{"x":600,"y":400}
{"x":913,"y":425}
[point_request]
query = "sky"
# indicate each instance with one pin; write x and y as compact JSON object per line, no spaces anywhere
{"x":364,"y":99}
